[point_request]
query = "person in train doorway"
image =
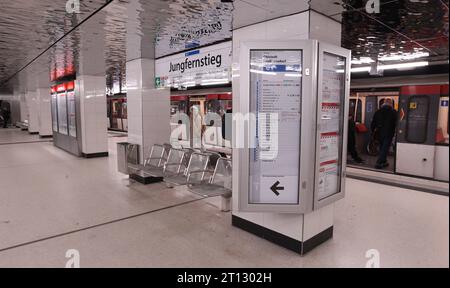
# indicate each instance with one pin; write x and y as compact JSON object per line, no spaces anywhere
{"x":197,"y":127}
{"x":383,"y":125}
{"x":351,"y":143}
{"x":5,"y":114}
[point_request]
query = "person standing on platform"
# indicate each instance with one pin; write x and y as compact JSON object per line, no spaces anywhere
{"x":351,"y":143}
{"x":384,"y":124}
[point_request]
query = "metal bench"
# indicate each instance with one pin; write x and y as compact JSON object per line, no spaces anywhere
{"x":175,"y":163}
{"x":152,"y":169}
{"x":218,"y":184}
{"x":157,"y":156}
{"x":196,"y":168}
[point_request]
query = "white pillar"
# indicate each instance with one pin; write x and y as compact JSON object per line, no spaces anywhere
{"x":23,"y":106}
{"x":148,"y":108}
{"x":33,"y":112}
{"x":293,"y":229}
{"x":45,"y":112}
{"x":91,"y":91}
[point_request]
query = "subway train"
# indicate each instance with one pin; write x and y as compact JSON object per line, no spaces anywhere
{"x":117,"y":112}
{"x":421,"y":145}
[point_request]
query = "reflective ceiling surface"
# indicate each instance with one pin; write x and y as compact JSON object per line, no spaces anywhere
{"x":401,"y":31}
{"x":27,"y":28}
{"x":105,"y":34}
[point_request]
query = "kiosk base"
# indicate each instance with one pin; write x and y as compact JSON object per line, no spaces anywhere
{"x":95,"y":155}
{"x":145,"y":179}
{"x":287,"y":242}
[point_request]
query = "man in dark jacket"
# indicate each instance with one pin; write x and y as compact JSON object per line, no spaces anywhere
{"x":351,"y":142}
{"x":384,"y":124}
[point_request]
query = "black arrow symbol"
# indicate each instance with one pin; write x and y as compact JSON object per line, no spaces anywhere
{"x":275,"y":188}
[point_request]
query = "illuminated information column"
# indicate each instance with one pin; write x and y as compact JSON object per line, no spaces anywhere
{"x":275,"y":102}
{"x":54,"y":111}
{"x":331,"y":126}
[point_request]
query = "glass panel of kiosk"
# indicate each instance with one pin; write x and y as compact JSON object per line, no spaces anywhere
{"x":54,"y":110}
{"x":332,"y":96}
{"x":294,"y":101}
{"x":72,"y":113}
{"x":62,"y":112}
{"x":275,"y":87}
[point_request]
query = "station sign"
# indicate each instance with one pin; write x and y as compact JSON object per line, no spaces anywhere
{"x":206,"y":66}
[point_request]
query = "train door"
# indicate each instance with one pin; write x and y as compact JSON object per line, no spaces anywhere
{"x":119,"y":115}
{"x":217,"y":106}
{"x":179,"y":121}
{"x":196,"y":116}
{"x":115,"y":113}
{"x":416,"y":134}
{"x":124,"y":114}
{"x":363,"y":107}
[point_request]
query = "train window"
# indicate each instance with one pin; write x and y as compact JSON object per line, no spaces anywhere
{"x":116,"y":108}
{"x":358,"y":110}
{"x":417,"y":119}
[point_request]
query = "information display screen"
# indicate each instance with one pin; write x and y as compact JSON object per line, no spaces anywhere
{"x":62,"y":113}
{"x":72,"y":114}
{"x":275,"y":104}
{"x":331,"y":123}
{"x":54,"y":112}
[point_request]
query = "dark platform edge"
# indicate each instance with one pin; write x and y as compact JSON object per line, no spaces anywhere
{"x":277,"y":238}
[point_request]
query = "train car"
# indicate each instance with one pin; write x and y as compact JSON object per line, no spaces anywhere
{"x":421,"y":145}
{"x":117,"y":113}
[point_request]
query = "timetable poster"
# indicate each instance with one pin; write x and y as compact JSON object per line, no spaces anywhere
{"x":328,"y":179}
{"x":331,"y":114}
{"x":329,"y":147}
{"x":333,"y":93}
{"x":275,"y":100}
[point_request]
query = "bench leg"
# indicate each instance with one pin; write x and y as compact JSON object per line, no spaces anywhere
{"x":226,"y":204}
